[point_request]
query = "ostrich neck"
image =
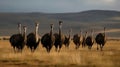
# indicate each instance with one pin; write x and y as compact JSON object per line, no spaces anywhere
{"x":20,"y":31}
{"x":69,"y":35}
{"x":51,"y":32}
{"x":24,"y":35}
{"x":85,"y":35}
{"x":92,"y":34}
{"x":60,"y":32}
{"x":80,"y":33}
{"x":36,"y":33}
{"x":104,"y":33}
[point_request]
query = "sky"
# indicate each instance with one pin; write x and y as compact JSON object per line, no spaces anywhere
{"x":57,"y":6}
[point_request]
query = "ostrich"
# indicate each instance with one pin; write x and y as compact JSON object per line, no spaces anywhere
{"x":89,"y":40}
{"x":100,"y":39}
{"x":17,"y":40}
{"x":77,"y":39}
{"x":33,"y":39}
{"x":67,"y":39}
{"x":48,"y":39}
{"x":59,"y":38}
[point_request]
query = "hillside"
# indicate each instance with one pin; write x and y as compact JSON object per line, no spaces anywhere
{"x":80,"y":20}
{"x":86,"y":16}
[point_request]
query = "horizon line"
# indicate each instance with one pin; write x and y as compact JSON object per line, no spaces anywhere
{"x":56,"y":12}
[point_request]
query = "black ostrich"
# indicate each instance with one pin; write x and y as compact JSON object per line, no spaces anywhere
{"x":77,"y":39}
{"x":89,"y":40}
{"x":33,"y":39}
{"x":67,"y":39}
{"x":100,"y":39}
{"x":17,"y":40}
{"x":48,"y":39}
{"x":59,"y":38}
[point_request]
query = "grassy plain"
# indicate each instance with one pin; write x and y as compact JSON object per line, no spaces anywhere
{"x":109,"y":57}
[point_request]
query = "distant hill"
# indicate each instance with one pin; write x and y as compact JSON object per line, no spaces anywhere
{"x":80,"y":20}
{"x":86,"y":16}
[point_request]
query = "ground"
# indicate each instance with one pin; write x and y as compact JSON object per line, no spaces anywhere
{"x":83,"y":57}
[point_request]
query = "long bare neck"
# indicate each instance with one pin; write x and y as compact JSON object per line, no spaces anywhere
{"x":24,"y":33}
{"x":92,"y":32}
{"x":105,"y":38}
{"x":24,"y":30}
{"x":80,"y":33}
{"x":60,"y":31}
{"x":36,"y":32}
{"x":51,"y":31}
{"x":19,"y":28}
{"x":85,"y":35}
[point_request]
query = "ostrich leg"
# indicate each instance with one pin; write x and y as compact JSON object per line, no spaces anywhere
{"x":77,"y":46}
{"x":101,"y":46}
{"x":60,"y":47}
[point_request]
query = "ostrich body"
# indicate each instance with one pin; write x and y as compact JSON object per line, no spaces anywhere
{"x":48,"y":40}
{"x":90,"y":40}
{"x":77,"y":39}
{"x":100,"y":39}
{"x":67,"y":39}
{"x":33,"y":39}
{"x":17,"y":40}
{"x":59,"y":38}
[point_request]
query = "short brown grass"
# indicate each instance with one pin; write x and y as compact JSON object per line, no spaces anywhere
{"x":109,"y":57}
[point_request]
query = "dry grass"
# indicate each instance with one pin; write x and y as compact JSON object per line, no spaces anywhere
{"x":109,"y":57}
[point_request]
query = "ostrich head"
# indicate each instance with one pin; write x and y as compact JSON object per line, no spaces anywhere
{"x":51,"y":26}
{"x":86,"y":34}
{"x":70,"y":32}
{"x":19,"y":27}
{"x":51,"y":32}
{"x":60,"y":24}
{"x":36,"y":25}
